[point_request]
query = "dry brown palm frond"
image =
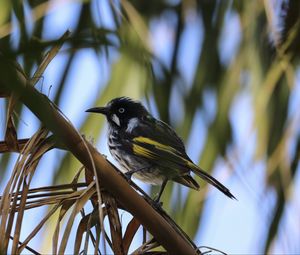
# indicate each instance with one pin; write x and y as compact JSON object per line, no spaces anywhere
{"x":18,"y":197}
{"x":146,"y":247}
{"x":65,"y":198}
{"x":130,"y":232}
{"x":19,"y":182}
{"x":5,"y":147}
{"x":69,"y":200}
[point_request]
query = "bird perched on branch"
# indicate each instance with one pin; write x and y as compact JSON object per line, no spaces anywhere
{"x":148,"y":148}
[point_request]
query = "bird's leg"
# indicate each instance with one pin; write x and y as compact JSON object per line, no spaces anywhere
{"x":130,"y":173}
{"x":163,"y":185}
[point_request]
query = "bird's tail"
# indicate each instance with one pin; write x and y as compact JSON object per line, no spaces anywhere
{"x":198,"y":171}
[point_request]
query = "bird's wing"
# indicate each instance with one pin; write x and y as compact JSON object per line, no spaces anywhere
{"x":166,"y":156}
{"x":157,"y":142}
{"x":149,"y":148}
{"x":160,"y":132}
{"x":160,"y":144}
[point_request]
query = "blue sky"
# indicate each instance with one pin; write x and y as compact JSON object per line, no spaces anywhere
{"x":231,"y":226}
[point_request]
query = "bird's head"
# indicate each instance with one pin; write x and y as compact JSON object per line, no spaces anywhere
{"x":120,"y":111}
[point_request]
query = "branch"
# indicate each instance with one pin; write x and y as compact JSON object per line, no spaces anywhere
{"x":15,"y":82}
{"x":4,"y":147}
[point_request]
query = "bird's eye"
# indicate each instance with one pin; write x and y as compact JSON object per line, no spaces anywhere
{"x":121,"y":110}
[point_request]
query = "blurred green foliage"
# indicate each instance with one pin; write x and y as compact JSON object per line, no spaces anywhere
{"x":262,"y":64}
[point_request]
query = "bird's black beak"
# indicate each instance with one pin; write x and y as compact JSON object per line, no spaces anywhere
{"x":102,"y":110}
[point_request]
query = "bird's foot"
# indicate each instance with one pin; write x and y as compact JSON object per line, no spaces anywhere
{"x":156,"y":203}
{"x":128,"y":176}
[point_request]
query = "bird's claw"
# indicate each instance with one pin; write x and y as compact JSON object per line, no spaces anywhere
{"x":128,"y":176}
{"x":157,"y":204}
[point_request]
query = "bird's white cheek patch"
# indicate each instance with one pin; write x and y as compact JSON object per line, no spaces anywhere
{"x":132,"y":124}
{"x":115,"y":119}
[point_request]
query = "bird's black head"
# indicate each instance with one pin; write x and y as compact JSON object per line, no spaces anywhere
{"x":120,"y":111}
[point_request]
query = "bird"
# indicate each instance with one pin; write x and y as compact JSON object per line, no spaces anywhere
{"x":148,"y":148}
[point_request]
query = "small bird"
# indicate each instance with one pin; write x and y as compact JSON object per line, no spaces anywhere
{"x":148,"y":148}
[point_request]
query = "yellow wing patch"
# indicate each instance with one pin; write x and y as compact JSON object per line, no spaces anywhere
{"x":158,"y":145}
{"x":140,"y":150}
